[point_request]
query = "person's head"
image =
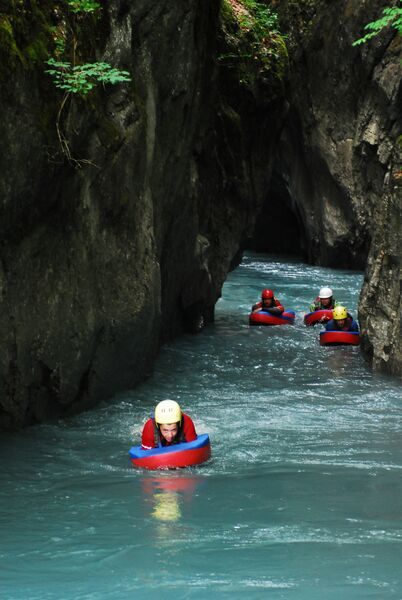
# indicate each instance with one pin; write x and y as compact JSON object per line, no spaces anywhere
{"x":325,"y":296}
{"x":340,"y":314}
{"x":267,"y":298}
{"x":168,"y":417}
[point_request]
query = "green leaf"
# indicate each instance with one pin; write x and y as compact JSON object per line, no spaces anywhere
{"x":83,"y":6}
{"x":391,"y":17}
{"x":81,"y":79}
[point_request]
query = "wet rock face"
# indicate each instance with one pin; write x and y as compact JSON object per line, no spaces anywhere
{"x":336,"y":147}
{"x":100,"y":264}
{"x":339,"y":158}
{"x":380,"y":308}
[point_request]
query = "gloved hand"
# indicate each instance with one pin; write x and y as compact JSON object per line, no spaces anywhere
{"x":274,"y":310}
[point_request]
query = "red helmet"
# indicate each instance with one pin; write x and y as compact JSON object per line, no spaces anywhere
{"x":266,"y":294}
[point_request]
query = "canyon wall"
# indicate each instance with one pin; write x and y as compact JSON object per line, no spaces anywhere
{"x":338,"y":166}
{"x":106,"y":255}
{"x":126,"y":243}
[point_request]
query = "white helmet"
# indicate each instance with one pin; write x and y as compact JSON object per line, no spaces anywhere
{"x":325,"y":292}
{"x":166,"y":412}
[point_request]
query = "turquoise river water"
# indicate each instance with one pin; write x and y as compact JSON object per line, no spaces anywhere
{"x":300,"y":501}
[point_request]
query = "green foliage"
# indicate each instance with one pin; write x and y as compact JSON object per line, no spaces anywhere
{"x":391,"y":17}
{"x":60,"y":44}
{"x":256,"y":49}
{"x":72,"y":78}
{"x":85,"y":6}
{"x":262,"y":20}
{"x":81,"y":79}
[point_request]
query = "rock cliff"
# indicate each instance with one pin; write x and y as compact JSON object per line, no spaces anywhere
{"x":338,"y":167}
{"x":128,"y":244}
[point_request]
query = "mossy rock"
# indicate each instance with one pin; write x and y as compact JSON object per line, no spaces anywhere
{"x":297,"y":18}
{"x":9,"y":51}
{"x":25,"y":35}
{"x":253,"y":51}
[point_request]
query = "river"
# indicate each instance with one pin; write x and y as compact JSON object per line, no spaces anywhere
{"x":300,"y":501}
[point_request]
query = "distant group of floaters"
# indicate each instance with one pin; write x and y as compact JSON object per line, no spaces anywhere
{"x":340,"y":327}
{"x":169,"y":439}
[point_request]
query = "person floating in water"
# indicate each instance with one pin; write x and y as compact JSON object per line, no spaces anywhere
{"x":341,"y":321}
{"x":168,"y":426}
{"x":324,"y":301}
{"x":268,"y":303}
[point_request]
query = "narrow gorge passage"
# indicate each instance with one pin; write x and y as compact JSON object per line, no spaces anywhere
{"x":300,"y":500}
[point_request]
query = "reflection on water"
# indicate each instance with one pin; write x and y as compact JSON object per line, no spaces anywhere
{"x":168,"y":493}
{"x":166,"y":507}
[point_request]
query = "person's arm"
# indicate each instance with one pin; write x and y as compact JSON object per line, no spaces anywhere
{"x":277,"y":309}
{"x":189,"y":429}
{"x":148,"y":437}
{"x":354,"y":326}
{"x":324,"y":320}
{"x":256,"y":306}
{"x":330,"y":326}
{"x":274,"y":310}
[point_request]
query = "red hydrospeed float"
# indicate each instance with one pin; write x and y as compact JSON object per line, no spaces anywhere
{"x":318,"y":316}
{"x":263,"y":317}
{"x":339,"y":338}
{"x":185,"y":454}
